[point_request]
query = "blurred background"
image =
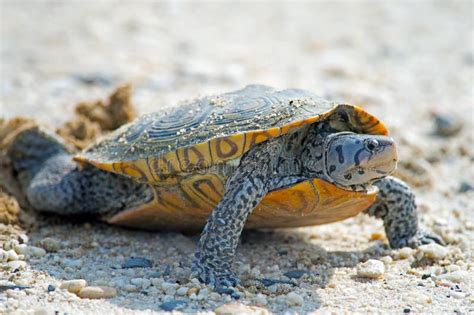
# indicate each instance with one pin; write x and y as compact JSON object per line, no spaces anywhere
{"x":387,"y":55}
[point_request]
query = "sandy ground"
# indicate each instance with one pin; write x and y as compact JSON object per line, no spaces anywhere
{"x":398,"y":60}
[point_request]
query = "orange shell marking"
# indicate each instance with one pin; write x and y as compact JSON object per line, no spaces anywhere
{"x":307,"y":203}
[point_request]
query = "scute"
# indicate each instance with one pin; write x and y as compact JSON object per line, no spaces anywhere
{"x":215,"y":129}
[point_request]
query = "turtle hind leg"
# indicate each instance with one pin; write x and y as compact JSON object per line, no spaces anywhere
{"x":53,"y":182}
{"x":62,"y":187}
{"x":31,"y":149}
{"x":396,"y":206}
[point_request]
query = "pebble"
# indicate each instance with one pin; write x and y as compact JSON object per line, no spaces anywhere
{"x":182,"y":291}
{"x":235,"y":308}
{"x":173,"y":305}
{"x":260,"y":299}
{"x":455,"y":276}
{"x":97,"y":293}
{"x":137,"y":262}
{"x":203,"y":294}
{"x":50,"y":244}
{"x":447,"y":125}
{"x":141,"y":282}
{"x":51,"y":288}
{"x":130,"y":288}
{"x":30,"y":251}
{"x":433,"y":251}
{"x":294,"y":299}
{"x":192,"y":291}
{"x":387,"y":260}
{"x":371,"y":269}
{"x":295,"y":274}
{"x":465,"y":187}
{"x":405,"y":253}
{"x":12,"y":255}
{"x":272,"y":282}
{"x":73,"y":286}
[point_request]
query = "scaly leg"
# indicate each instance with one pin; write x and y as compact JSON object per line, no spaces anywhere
{"x":396,"y":206}
{"x":220,"y":237}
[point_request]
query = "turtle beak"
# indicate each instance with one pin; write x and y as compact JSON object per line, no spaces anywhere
{"x":384,"y":159}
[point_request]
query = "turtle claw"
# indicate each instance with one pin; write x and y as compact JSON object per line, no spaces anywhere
{"x":425,"y":237}
{"x":223,"y":282}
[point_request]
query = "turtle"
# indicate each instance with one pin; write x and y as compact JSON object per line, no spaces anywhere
{"x":257,"y":157}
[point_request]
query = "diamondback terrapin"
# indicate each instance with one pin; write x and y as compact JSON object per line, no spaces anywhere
{"x":256,"y":157}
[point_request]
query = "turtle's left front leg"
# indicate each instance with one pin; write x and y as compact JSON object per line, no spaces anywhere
{"x":396,"y":206}
{"x":220,"y":237}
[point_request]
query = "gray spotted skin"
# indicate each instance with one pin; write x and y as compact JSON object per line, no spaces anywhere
{"x":396,"y":206}
{"x":57,"y":184}
{"x":244,"y":191}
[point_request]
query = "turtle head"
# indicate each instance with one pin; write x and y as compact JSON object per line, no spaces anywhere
{"x":359,"y":159}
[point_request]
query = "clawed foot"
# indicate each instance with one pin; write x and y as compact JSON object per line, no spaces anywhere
{"x":223,"y":281}
{"x":422,"y":237}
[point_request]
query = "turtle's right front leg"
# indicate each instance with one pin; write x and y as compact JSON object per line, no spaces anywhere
{"x":220,"y":237}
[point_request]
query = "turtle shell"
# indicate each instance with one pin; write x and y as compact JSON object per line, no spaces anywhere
{"x":186,"y":155}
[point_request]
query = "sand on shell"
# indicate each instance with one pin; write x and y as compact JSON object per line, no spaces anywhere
{"x":398,"y":61}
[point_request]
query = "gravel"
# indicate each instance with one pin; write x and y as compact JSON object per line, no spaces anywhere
{"x":372,"y":269}
{"x":385,"y":56}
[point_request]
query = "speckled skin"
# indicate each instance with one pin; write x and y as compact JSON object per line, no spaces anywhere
{"x":396,"y":206}
{"x":53,"y":182}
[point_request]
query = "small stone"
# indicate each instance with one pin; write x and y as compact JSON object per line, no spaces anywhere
{"x":192,"y":291}
{"x":33,"y":251}
{"x":465,"y":187}
{"x":447,"y":125}
{"x":50,"y":244}
{"x":294,"y":299}
{"x":376,"y":236}
{"x":182,"y":291}
{"x":261,"y":299}
{"x":73,"y":286}
{"x":405,"y":253}
{"x":51,"y":288}
{"x":235,"y":308}
{"x":141,"y":282}
{"x":203,"y":294}
{"x":295,"y":274}
{"x":387,"y":260}
{"x":137,"y":262}
{"x":433,"y":251}
{"x":130,"y":288}
{"x":371,"y":269}
{"x":455,"y":276}
{"x":21,"y":249}
{"x":157,"y":282}
{"x":12,"y":255}
{"x":97,"y":293}
{"x":173,"y":305}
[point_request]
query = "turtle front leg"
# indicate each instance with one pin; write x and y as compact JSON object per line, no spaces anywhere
{"x":220,"y":237}
{"x":396,"y":206}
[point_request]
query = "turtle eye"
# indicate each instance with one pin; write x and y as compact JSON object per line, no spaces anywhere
{"x":371,"y":144}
